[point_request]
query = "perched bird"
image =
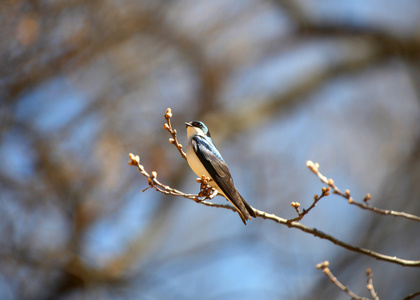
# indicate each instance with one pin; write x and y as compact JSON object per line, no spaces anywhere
{"x":205,"y":159}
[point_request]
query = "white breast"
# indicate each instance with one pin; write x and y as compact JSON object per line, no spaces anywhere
{"x":196,"y":165}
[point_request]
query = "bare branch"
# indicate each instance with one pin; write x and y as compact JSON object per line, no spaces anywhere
{"x":314,"y":167}
{"x":295,"y":205}
{"x":370,"y":284}
{"x":322,"y":235}
{"x":173,"y":140}
{"x":158,"y":186}
{"x":412,"y":296}
{"x":327,"y":272}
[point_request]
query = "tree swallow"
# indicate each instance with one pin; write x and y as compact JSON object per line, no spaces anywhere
{"x":204,"y":159}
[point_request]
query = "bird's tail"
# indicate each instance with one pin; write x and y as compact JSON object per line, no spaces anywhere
{"x":245,"y":211}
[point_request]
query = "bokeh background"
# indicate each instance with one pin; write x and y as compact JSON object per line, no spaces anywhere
{"x":84,"y":83}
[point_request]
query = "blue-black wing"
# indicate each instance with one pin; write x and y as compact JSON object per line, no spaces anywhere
{"x":219,"y":172}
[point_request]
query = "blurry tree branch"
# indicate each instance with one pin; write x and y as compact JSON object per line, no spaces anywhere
{"x":162,"y":188}
{"x":370,"y":286}
{"x":386,"y":43}
{"x":412,"y":296}
{"x":324,"y":267}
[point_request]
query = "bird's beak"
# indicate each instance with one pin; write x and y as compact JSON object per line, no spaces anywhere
{"x":188,"y":124}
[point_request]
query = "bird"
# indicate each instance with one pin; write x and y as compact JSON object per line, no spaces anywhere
{"x":204,"y":159}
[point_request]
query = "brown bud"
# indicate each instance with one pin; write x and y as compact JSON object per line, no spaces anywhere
{"x":367,"y":197}
{"x":330,"y":182}
{"x":347,"y":193}
{"x":154,"y":174}
{"x":315,"y":197}
{"x":168,"y":113}
{"x":171,"y":141}
{"x":165,"y":126}
{"x":322,"y":265}
{"x":309,"y":164}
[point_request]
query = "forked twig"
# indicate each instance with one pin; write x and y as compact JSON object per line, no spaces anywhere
{"x":324,"y":267}
{"x":296,"y":205}
{"x":314,"y":167}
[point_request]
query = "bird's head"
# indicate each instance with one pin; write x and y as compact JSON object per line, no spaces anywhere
{"x":197,"y":128}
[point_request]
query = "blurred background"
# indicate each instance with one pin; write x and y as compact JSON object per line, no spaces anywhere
{"x":84,"y":83}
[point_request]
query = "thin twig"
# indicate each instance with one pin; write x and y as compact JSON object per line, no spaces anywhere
{"x":173,"y":140}
{"x":370,"y":284}
{"x":314,"y":167}
{"x":153,"y":182}
{"x":327,"y":272}
{"x":322,"y":235}
{"x":412,"y":296}
{"x":295,"y":205}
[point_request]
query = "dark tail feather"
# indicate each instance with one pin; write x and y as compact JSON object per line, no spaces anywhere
{"x":249,"y":208}
{"x":246,"y":211}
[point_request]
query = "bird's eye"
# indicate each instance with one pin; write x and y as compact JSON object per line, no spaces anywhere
{"x":197,"y":124}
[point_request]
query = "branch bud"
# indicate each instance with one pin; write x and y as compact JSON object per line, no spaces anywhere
{"x":165,"y":126}
{"x":323,"y":265}
{"x":367,"y":197}
{"x":171,"y":141}
{"x":134,"y":158}
{"x":312,"y":166}
{"x":168,"y":113}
